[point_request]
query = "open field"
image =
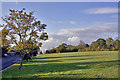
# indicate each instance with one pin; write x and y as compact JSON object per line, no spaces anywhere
{"x":102,"y":64}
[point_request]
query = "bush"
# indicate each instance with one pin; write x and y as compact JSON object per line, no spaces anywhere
{"x":79,"y":50}
{"x":106,"y":49}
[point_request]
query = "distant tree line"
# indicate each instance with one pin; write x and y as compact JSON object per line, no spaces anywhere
{"x":99,"y":45}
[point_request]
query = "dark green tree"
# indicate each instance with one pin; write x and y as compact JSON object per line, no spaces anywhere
{"x":101,"y":43}
{"x":109,"y":42}
{"x":94,"y":45}
{"x":85,"y":46}
{"x":62,"y":47}
{"x":116,"y":44}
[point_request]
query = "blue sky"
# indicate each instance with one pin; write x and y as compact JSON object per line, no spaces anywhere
{"x":72,"y":21}
{"x":58,"y":15}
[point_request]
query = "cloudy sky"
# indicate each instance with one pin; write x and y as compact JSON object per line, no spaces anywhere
{"x":70,"y":22}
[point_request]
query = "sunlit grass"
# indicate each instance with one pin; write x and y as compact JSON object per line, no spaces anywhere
{"x":102,"y":64}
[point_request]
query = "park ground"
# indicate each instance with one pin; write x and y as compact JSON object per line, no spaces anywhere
{"x":100,"y":64}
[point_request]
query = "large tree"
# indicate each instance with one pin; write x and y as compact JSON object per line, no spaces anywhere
{"x":62,"y":47}
{"x":109,"y":42}
{"x":116,"y":44}
{"x":101,"y":43}
{"x":23,"y":30}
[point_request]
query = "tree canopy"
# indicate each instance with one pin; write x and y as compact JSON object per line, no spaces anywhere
{"x":99,"y":45}
{"x":23,"y":30}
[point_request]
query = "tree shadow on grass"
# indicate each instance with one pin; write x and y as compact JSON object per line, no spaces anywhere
{"x":100,"y":62}
{"x":43,"y":69}
{"x":42,"y":61}
{"x":59,"y":67}
{"x":82,"y":59}
{"x":62,"y":57}
{"x":73,"y":56}
{"x":45,"y":61}
{"x":47,"y":57}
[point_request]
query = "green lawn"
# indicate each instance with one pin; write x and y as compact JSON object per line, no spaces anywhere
{"x":102,"y":64}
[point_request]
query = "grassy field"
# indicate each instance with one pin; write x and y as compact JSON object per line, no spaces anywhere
{"x":103,"y":64}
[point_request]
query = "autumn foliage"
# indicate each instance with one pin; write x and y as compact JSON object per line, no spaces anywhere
{"x":23,"y":30}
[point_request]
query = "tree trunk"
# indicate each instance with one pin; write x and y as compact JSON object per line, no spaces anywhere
{"x":22,"y":61}
{"x":25,"y":57}
{"x":21,"y":64}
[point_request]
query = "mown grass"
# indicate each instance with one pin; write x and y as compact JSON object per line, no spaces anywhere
{"x":102,"y":64}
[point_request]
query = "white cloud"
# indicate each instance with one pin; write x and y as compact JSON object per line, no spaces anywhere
{"x":87,"y":34}
{"x":53,"y":41}
{"x":73,"y":40}
{"x":73,"y":22}
{"x":49,"y":40}
{"x":65,"y":22}
{"x":92,"y":31}
{"x":104,"y":10}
